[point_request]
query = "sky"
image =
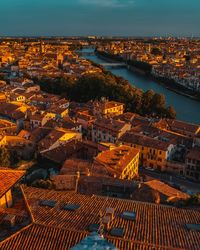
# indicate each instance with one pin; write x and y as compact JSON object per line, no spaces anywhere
{"x":100,"y":17}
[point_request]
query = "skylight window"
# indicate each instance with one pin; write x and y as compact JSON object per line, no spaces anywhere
{"x":47,"y":203}
{"x":195,"y":227}
{"x":128,"y":215}
{"x":71,"y":207}
{"x":117,"y":231}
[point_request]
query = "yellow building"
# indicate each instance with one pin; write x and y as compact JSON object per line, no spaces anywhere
{"x":121,"y":162}
{"x":153,"y":153}
{"x":8,"y":179}
{"x":108,"y":108}
{"x":57,"y":113}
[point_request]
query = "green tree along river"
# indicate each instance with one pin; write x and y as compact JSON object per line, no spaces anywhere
{"x":187,"y":109}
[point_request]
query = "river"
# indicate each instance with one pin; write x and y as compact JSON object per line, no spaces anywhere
{"x":187,"y":109}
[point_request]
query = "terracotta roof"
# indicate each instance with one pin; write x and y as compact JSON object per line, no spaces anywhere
{"x":155,"y":226}
{"x":140,"y":120}
{"x":154,"y":132}
{"x":112,"y":104}
{"x":37,"y":117}
{"x":166,"y":189}
{"x":39,"y":133}
{"x":127,"y":117}
{"x":6,"y":124}
{"x":23,"y":133}
{"x":118,"y":158}
{"x":175,"y":124}
{"x":61,"y":153}
{"x":72,"y":166}
{"x":84,"y":116}
{"x":10,"y":110}
{"x":66,"y":123}
{"x":8,"y":179}
{"x":109,"y":124}
{"x":139,"y":139}
{"x":43,"y":238}
{"x":50,"y":139}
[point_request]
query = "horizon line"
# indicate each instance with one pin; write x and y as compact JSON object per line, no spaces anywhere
{"x":95,"y":36}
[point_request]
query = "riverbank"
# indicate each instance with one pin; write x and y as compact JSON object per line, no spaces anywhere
{"x":167,"y":83}
{"x":187,"y":108}
{"x":177,"y":88}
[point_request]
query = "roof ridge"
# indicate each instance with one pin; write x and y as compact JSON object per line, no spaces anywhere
{"x":27,"y":204}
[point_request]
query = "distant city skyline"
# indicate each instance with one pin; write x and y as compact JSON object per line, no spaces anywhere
{"x":99,"y":18}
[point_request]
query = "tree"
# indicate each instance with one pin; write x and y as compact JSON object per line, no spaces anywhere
{"x":46,"y":184}
{"x":136,"y":103}
{"x":147,"y":99}
{"x":159,"y":103}
{"x":171,"y":113}
{"x":105,"y":84}
{"x":89,"y":87}
{"x":4,"y":157}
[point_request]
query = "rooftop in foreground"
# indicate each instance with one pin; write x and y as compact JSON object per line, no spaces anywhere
{"x":153,"y":227}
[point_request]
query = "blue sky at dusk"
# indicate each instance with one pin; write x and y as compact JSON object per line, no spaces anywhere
{"x":100,"y":17}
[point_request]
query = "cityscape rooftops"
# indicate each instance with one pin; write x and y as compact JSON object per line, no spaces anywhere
{"x":166,"y":189}
{"x":157,"y":218}
{"x":109,"y":124}
{"x":181,"y":125}
{"x":138,"y":139}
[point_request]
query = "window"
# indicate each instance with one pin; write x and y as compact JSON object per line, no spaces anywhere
{"x":195,"y":227}
{"x":71,"y":207}
{"x":117,"y":231}
{"x":128,"y":215}
{"x":47,"y":203}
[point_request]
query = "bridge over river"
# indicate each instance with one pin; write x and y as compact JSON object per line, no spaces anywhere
{"x":114,"y":65}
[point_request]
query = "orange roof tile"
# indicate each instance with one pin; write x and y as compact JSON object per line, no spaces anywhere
{"x":155,"y":226}
{"x":8,"y":179}
{"x":117,"y":158}
{"x":166,"y":189}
